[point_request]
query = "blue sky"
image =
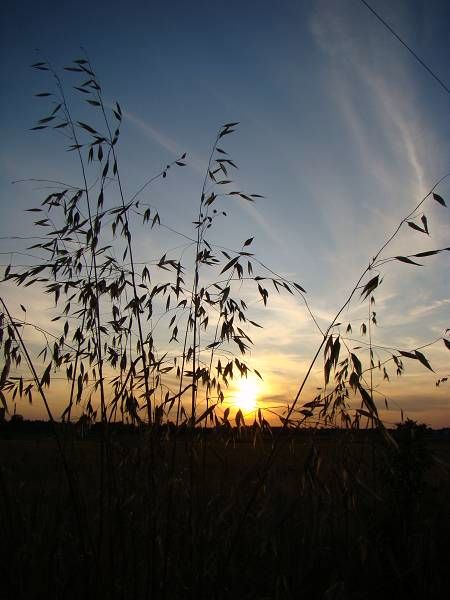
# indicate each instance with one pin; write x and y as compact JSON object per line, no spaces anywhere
{"x":341,"y":130}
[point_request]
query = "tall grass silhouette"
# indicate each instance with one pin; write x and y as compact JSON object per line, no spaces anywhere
{"x":151,"y":486}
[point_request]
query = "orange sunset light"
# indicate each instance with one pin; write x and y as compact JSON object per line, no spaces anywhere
{"x":248,"y":390}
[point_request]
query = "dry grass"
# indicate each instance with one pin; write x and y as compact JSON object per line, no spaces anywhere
{"x":330,"y":521}
{"x":195,"y":503}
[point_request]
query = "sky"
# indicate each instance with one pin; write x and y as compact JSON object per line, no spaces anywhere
{"x":340,"y":130}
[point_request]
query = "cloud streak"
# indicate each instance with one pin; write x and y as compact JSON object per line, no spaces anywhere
{"x":198,"y":166}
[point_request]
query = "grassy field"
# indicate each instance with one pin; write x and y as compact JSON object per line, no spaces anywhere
{"x":339,"y":515}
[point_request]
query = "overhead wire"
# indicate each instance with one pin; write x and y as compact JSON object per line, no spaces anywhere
{"x":410,"y":50}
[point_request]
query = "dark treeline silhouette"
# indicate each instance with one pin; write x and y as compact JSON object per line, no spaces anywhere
{"x":21,"y":427}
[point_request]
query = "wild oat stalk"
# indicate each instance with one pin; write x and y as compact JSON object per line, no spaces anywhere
{"x":351,"y":367}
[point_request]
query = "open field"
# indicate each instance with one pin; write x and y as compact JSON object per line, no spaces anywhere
{"x":150,"y":515}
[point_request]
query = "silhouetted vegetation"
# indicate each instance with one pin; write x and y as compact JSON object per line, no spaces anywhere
{"x":337,"y":515}
{"x":146,"y":486}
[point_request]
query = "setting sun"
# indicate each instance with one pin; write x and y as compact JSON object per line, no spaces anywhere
{"x":246,"y":397}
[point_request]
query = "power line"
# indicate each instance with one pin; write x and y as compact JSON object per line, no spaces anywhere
{"x":419,"y":60}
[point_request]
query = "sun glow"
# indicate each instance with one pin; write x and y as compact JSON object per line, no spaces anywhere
{"x":246,"y":397}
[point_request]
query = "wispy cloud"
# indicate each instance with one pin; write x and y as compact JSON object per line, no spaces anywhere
{"x":165,"y":141}
{"x":391,"y":110}
{"x":198,"y":165}
{"x":420,"y":311}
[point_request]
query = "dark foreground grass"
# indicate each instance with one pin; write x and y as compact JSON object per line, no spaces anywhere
{"x":339,"y":516}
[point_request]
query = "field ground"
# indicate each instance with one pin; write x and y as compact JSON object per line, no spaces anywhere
{"x":338,"y":515}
